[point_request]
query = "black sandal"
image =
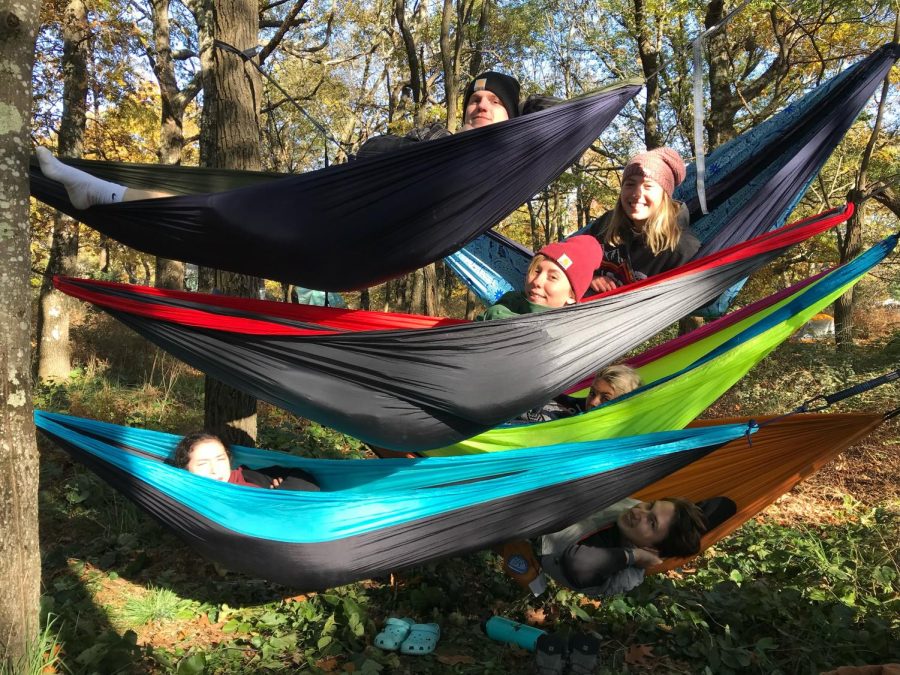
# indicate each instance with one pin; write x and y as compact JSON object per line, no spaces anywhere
{"x":584,"y":651}
{"x":550,"y":655}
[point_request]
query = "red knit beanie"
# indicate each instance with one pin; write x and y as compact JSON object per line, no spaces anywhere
{"x":577,"y":257}
{"x":664,"y":165}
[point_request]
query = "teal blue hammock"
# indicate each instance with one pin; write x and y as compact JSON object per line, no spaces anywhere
{"x":375,"y":516}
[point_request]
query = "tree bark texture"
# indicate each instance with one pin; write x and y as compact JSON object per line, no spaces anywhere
{"x":648,"y":51}
{"x":479,"y":39}
{"x":54,"y":357}
{"x":720,"y":122}
{"x":851,"y":245}
{"x":20,"y":560}
{"x":412,"y":57}
{"x":169,"y":273}
{"x":230,"y":138}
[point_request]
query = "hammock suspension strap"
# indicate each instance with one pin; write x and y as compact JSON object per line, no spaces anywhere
{"x":830,"y":399}
{"x":249,"y":56}
{"x":823,"y":401}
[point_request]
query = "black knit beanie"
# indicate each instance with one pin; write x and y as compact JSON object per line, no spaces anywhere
{"x":504,"y":86}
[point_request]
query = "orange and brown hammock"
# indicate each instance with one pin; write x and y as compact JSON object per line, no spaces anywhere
{"x":756,"y":474}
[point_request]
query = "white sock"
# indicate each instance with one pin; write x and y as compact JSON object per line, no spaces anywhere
{"x":84,"y":189}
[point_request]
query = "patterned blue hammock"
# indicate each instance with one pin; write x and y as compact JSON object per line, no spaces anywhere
{"x":753,"y":182}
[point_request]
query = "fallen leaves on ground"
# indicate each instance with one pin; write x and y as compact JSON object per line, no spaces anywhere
{"x":640,"y":655}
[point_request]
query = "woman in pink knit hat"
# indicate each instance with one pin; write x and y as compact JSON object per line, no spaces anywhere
{"x":559,"y":275}
{"x":647,"y":232}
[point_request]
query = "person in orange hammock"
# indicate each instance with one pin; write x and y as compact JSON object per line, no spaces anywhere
{"x":609,"y":552}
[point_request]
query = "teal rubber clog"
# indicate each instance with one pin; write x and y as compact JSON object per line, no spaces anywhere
{"x":423,"y":638}
{"x":394,"y":633}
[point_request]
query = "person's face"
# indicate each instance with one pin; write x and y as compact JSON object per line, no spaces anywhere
{"x":548,"y":285}
{"x":601,"y":392}
{"x":209,"y":459}
{"x":648,"y":523}
{"x":483,"y":108}
{"x":640,"y":197}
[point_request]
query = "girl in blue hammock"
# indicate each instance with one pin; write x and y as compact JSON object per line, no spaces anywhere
{"x":204,"y":454}
{"x":647,"y":232}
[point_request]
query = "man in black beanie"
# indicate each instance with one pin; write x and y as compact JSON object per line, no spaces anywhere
{"x":491,"y":97}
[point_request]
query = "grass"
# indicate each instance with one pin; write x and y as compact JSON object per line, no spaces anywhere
{"x":41,"y":657}
{"x":157,"y":604}
{"x":812,"y":584}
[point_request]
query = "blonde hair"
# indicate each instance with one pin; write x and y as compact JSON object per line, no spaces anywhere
{"x":623,"y":379}
{"x":661,"y":229}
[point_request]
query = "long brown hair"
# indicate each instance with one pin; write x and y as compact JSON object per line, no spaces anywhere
{"x":661,"y":229}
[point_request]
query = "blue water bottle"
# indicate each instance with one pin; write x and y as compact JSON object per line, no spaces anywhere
{"x":512,"y":632}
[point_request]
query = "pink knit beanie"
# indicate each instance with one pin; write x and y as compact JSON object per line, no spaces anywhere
{"x":577,"y":257}
{"x":664,"y":165}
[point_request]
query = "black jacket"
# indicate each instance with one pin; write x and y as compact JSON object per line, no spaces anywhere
{"x":633,"y":260}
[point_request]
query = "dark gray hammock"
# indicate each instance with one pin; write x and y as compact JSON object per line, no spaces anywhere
{"x":426,"y":388}
{"x":353,"y":225}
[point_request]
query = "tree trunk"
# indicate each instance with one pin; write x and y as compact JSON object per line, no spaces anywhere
{"x":451,"y":80}
{"x":479,"y":39}
{"x":229,"y":138}
{"x":389,"y":291}
{"x":648,"y":51}
{"x":534,"y":219}
{"x":416,"y":297}
{"x":432,"y":297}
{"x":720,"y":121}
{"x":412,"y":58}
{"x":169,"y":273}
{"x":54,"y":355}
{"x":473,"y":306}
{"x":851,"y":246}
{"x":20,"y":555}
{"x":843,"y":306}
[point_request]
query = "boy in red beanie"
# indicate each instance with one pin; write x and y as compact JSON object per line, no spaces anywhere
{"x":558,"y":275}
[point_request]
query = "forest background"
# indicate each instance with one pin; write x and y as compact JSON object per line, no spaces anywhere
{"x":130,"y":81}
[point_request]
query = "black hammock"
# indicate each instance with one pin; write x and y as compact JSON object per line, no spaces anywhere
{"x":354,"y":225}
{"x":427,"y":388}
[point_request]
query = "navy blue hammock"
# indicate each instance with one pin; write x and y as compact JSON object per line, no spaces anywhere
{"x":375,"y":516}
{"x":753,"y":182}
{"x":352,"y":225}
